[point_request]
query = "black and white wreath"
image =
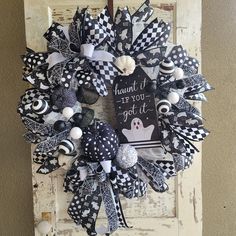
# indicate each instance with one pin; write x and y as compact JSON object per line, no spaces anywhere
{"x":82,"y":62}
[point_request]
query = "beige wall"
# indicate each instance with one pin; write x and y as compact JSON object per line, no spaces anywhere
{"x":219,"y":159}
{"x":15,"y":168}
{"x":219,"y":155}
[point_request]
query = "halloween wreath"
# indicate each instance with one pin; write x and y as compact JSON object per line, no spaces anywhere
{"x":86,"y":60}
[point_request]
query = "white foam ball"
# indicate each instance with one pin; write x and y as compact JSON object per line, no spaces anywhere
{"x":173,"y":97}
{"x":68,"y":112}
{"x":178,"y":73}
{"x":76,"y":133}
{"x":44,"y":227}
{"x":127,"y":156}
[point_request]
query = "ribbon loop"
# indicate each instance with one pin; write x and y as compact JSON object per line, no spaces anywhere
{"x":87,"y":50}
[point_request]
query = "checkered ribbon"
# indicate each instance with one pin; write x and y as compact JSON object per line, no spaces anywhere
{"x":149,"y":36}
{"x":105,"y":74}
{"x":106,"y":22}
{"x":93,"y":30}
{"x":100,"y":86}
{"x":128,"y":182}
{"x":106,"y":70}
{"x":166,"y":167}
{"x":191,"y":133}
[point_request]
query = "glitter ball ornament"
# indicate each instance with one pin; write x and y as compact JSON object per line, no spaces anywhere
{"x":127,"y":156}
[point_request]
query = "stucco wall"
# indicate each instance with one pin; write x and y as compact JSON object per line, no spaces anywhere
{"x":219,"y":155}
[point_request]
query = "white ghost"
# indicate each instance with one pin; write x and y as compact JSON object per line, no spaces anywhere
{"x":138,"y":132}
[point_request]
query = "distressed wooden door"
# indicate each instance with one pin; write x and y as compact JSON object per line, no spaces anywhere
{"x":177,"y":212}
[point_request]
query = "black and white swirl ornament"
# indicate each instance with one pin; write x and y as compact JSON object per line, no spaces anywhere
{"x":163,"y":106}
{"x":40,"y":106}
{"x":100,"y":142}
{"x":66,"y":147}
{"x":167,"y":67}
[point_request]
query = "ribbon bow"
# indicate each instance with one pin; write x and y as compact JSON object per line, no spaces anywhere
{"x":89,"y":193}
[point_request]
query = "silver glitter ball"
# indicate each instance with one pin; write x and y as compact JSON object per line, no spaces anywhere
{"x":127,"y":156}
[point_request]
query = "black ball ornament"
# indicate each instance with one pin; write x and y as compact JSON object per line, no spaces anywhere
{"x":59,"y":125}
{"x":151,"y":87}
{"x":66,"y":147}
{"x":40,"y":107}
{"x":77,"y":118}
{"x":163,"y":106}
{"x":100,"y":142}
{"x":167,"y":67}
{"x":180,"y":84}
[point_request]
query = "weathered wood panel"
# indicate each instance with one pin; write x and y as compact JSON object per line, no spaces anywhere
{"x":176,"y":212}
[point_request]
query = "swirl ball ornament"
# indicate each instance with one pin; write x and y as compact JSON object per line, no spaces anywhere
{"x":40,"y":107}
{"x":167,"y":67}
{"x":163,"y":106}
{"x":66,"y":147}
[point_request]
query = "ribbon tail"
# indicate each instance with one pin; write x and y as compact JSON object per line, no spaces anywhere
{"x":154,"y":174}
{"x":119,"y":211}
{"x":84,"y":210}
{"x":110,"y":206}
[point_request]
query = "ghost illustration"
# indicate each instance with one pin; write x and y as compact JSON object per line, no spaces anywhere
{"x":138,"y":132}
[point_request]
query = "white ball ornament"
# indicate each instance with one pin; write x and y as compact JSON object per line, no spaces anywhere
{"x":68,"y":112}
{"x":76,"y":133}
{"x":178,"y":73}
{"x":173,"y":97}
{"x":44,"y":227}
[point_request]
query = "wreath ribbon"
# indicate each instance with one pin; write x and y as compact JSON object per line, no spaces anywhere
{"x":97,"y":187}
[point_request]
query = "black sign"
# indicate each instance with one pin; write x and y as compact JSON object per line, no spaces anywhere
{"x":135,"y":110}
